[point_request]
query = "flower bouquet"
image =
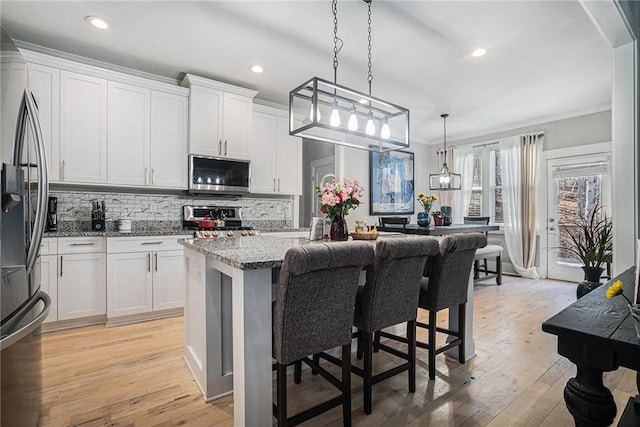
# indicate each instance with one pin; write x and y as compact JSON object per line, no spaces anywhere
{"x":424,"y":219}
{"x":337,"y":198}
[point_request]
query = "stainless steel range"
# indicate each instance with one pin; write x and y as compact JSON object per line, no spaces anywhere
{"x":215,"y":221}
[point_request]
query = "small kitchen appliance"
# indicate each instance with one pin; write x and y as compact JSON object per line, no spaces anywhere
{"x":214,"y":221}
{"x":52,"y":214}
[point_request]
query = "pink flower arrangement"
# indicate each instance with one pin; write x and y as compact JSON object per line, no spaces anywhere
{"x":338,"y":198}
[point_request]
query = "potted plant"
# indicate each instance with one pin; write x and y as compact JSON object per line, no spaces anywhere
{"x":590,"y":239}
{"x":439,"y":218}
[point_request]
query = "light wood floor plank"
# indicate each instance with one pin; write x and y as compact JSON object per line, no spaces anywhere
{"x":134,"y":375}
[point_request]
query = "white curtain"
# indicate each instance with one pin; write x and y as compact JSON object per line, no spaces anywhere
{"x":514,"y":226}
{"x":462,"y":164}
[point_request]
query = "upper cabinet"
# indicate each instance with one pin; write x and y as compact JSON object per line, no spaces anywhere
{"x":276,"y":157}
{"x":105,"y":127}
{"x":219,"y":118}
{"x":83,"y":128}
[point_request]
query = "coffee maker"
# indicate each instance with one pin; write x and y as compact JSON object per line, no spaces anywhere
{"x":52,"y":214}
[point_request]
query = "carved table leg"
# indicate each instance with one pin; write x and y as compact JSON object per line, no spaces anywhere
{"x":588,"y":400}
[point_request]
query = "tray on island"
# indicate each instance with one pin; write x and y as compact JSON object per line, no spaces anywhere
{"x":364,"y":236}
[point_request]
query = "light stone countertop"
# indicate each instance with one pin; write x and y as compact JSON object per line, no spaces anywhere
{"x":117,"y":233}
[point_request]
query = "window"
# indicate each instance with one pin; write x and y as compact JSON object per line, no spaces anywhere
{"x":486,"y":186}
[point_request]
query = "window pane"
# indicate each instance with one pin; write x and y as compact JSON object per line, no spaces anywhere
{"x":475,"y":204}
{"x":498,"y":169}
{"x":498,"y":208}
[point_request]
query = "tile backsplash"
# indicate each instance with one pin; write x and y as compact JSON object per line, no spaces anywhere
{"x":165,"y":211}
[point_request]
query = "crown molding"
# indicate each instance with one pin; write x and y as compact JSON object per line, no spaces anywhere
{"x":193,"y":80}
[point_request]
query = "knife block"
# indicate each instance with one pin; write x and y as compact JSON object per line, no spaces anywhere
{"x":97,"y":224}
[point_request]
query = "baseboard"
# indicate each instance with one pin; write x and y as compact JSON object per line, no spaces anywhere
{"x":143,"y":317}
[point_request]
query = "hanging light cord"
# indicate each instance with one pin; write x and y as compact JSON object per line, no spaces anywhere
{"x":336,"y":39}
{"x":370,"y":75}
{"x":444,"y":116}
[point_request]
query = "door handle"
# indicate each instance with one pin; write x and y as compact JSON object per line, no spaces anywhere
{"x":219,"y":147}
{"x":552,"y":228}
{"x":64,"y":164}
{"x":149,"y":262}
{"x":278,"y":184}
{"x":60,"y":265}
{"x":225,"y":147}
{"x":153,"y":176}
{"x":156,"y":259}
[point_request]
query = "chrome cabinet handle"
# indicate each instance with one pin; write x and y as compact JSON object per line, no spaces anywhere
{"x":60,"y":265}
{"x":225,"y":147}
{"x":151,"y":243}
{"x":278,"y":184}
{"x":156,"y":259}
{"x":153,"y":177}
{"x":82,"y":244}
{"x":64,"y":164}
{"x":219,"y":147}
{"x":146,"y":172}
{"x":274,"y":184}
{"x":149,"y":261}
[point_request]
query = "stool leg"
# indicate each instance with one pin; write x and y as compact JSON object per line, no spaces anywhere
{"x":297,"y":371}
{"x":432,"y":344}
{"x":498,"y":270}
{"x":461,"y":326}
{"x":359,"y":346}
{"x":368,"y":368}
{"x":486,"y":267}
{"x":476,"y":272}
{"x":411,"y":337}
{"x":281,"y":392}
{"x":346,"y":385}
{"x":376,"y":341}
{"x":316,"y":359}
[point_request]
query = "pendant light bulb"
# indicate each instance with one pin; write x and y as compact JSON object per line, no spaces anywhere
{"x":371,"y":128}
{"x":353,"y":119}
{"x":317,"y":113}
{"x":444,"y":180}
{"x":335,"y":115}
{"x":385,"y":132}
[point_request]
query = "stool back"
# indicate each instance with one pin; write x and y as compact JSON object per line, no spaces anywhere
{"x":390,"y":295}
{"x":448,"y":272}
{"x":316,"y":295}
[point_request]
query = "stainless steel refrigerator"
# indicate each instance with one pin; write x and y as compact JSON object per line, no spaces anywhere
{"x":25,"y":188}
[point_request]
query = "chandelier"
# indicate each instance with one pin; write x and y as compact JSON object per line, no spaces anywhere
{"x":445,"y":179}
{"x":326,"y":111}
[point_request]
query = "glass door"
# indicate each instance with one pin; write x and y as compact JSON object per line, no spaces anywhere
{"x":575,"y":185}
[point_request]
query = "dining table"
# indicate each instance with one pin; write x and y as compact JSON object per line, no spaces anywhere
{"x":230,"y":286}
{"x":439,"y":230}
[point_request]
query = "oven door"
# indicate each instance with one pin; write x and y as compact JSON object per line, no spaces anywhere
{"x":218,"y":175}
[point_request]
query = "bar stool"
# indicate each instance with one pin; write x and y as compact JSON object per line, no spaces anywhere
{"x":390,"y":297}
{"x":445,"y":285}
{"x":313,"y":312}
{"x":482,"y":254}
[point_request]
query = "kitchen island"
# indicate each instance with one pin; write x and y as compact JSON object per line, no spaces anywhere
{"x":230,"y":284}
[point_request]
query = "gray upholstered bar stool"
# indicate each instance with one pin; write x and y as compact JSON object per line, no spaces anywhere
{"x":482,"y":254}
{"x":313,"y":312}
{"x":445,"y":285}
{"x":390,"y":297}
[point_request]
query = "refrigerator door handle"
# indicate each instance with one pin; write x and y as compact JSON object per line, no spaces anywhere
{"x":13,"y":338}
{"x":29,"y":112}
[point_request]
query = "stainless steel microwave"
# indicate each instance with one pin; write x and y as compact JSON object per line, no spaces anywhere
{"x":218,"y":175}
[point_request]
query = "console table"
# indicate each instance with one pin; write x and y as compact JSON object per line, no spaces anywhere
{"x":597,"y":335}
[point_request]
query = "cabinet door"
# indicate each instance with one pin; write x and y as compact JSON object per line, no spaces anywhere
{"x":129,"y":284}
{"x":49,"y":283}
{"x":263,"y":153}
{"x":83,"y":128}
{"x":289,"y":160}
{"x":44,"y":83}
{"x":82,"y":283}
{"x":128,"y":140}
{"x":169,"y":117}
{"x":237,"y":126}
{"x":168,"y":280}
{"x":205,"y":121}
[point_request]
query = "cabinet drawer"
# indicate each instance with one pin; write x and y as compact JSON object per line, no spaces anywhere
{"x":49,"y":246}
{"x":144,"y":244}
{"x":80,"y":245}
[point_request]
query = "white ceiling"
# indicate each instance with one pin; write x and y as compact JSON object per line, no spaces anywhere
{"x":546,"y":60}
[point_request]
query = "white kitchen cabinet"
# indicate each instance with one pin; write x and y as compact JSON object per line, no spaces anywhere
{"x":49,"y":283}
{"x":83,"y":128}
{"x":128,"y":130}
{"x":81,"y":285}
{"x":169,"y":121}
{"x":276,"y":166}
{"x":144,"y":275}
{"x":44,"y":83}
{"x":219,"y":118}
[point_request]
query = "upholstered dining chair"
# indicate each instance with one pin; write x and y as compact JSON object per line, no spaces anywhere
{"x":396,"y":220}
{"x":313,"y":312}
{"x":482,"y":254}
{"x":445,"y":285}
{"x":390,"y":297}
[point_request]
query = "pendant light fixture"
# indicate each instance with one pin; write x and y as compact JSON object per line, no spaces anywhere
{"x":445,"y":179}
{"x":326,"y":111}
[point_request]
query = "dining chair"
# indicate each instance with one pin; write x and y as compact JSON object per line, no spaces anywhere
{"x":445,"y":285}
{"x":482,"y":254}
{"x":384,"y":220}
{"x":313,"y":312}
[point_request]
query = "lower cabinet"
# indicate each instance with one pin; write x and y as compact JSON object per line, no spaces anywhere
{"x":144,"y":275}
{"x":49,"y":283}
{"x":81,"y":285}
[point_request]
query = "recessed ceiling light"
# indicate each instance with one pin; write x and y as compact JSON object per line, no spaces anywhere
{"x":479,"y":52}
{"x":257,"y":69}
{"x":97,"y":22}
{"x":364,"y":101}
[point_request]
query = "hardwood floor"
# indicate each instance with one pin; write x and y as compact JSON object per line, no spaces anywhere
{"x":135,"y":374}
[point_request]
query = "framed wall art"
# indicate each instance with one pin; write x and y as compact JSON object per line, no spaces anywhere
{"x":391,"y":183}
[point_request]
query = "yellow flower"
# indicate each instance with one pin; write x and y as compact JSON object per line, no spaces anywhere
{"x":421,"y":195}
{"x":435,"y":196}
{"x":615,"y":289}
